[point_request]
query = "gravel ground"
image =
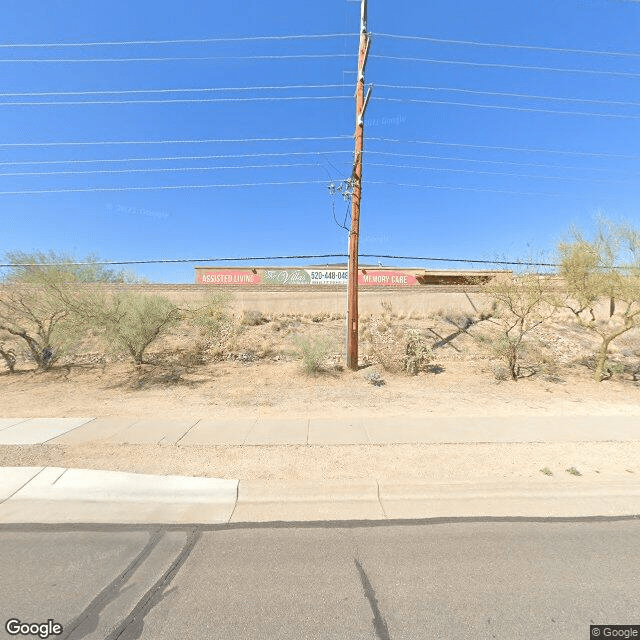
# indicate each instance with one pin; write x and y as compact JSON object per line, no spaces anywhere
{"x":435,"y":462}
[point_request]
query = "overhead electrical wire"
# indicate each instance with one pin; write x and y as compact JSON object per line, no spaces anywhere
{"x":501,"y":107}
{"x":526,"y":96}
{"x":313,"y":153}
{"x":498,"y":65}
{"x":159,"y":187}
{"x":259,"y":184}
{"x":153,"y":142}
{"x":501,"y":45}
{"x":460,"y":145}
{"x":118,"y":43}
{"x":165,"y":90}
{"x":492,"y":173}
{"x":307,"y":164}
{"x":455,"y":188}
{"x":497,"y":162}
{"x":168,"y":158}
{"x":264,"y":258}
{"x":158,"y":170}
{"x":299,"y":56}
{"x":62,"y":103}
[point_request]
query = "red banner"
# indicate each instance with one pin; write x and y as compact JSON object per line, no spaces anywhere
{"x":228,"y":277}
{"x":386,"y":278}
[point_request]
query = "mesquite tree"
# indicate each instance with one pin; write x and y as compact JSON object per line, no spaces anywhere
{"x":602,"y":277}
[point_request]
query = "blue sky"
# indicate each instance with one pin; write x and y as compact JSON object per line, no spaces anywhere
{"x":474,"y":198}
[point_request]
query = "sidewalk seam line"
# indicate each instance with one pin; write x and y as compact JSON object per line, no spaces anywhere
{"x":189,"y":429}
{"x":60,"y":476}
{"x":68,"y":431}
{"x":23,"y":486}
{"x":20,"y":421}
{"x":366,"y":433}
{"x":251,"y":428}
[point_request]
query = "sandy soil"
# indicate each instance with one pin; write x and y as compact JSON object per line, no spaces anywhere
{"x":264,"y":377}
{"x":438,"y":463}
{"x":270,"y":389}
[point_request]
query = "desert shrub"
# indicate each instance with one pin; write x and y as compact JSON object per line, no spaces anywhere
{"x":39,"y":301}
{"x":314,"y":352}
{"x":34,"y":315}
{"x":285,"y":324}
{"x":128,"y":322}
{"x":374,"y":378}
{"x":394,"y":348}
{"x":218,"y":329}
{"x":385,"y":342}
{"x":253,"y":318}
{"x":417,"y":354}
{"x":500,"y":372}
{"x":605,"y":269}
{"x":521,"y":303}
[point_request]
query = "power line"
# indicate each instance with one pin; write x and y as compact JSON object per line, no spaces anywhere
{"x":200,"y":141}
{"x":467,"y":260}
{"x":588,"y":154}
{"x":159,"y":187}
{"x":300,"y":56}
{"x":312,"y":153}
{"x":453,"y":188}
{"x":259,"y":184}
{"x":498,"y":162}
{"x":497,"y":65}
{"x":264,"y":258}
{"x":500,"y":45}
{"x":112,"y":43}
{"x":493,"y":173}
{"x":192,"y":90}
{"x":168,"y":158}
{"x":157,"y":170}
{"x":500,"y":107}
{"x":62,"y":103}
{"x":527,"y":96}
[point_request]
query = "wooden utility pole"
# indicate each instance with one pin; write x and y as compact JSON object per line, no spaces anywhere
{"x":361,"y":106}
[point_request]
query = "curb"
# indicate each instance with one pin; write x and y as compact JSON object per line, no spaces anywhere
{"x":54,"y":495}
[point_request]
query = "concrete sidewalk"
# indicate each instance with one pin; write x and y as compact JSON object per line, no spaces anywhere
{"x":57,"y":495}
{"x":255,"y":430}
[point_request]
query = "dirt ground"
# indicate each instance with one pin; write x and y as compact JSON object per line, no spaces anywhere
{"x":263,"y":376}
{"x":432,"y":462}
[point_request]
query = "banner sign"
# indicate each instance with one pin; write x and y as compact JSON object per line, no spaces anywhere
{"x":286,"y":276}
{"x":228,"y":276}
{"x":326,"y":276}
{"x":312,"y":277}
{"x":386,"y":278}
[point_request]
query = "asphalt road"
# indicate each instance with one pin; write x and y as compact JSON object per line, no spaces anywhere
{"x":375,"y":581}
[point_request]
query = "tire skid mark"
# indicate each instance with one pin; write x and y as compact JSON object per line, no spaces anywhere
{"x":132,"y":626}
{"x":88,"y":620}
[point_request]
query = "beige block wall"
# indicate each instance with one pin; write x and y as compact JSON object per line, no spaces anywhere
{"x":327,"y":299}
